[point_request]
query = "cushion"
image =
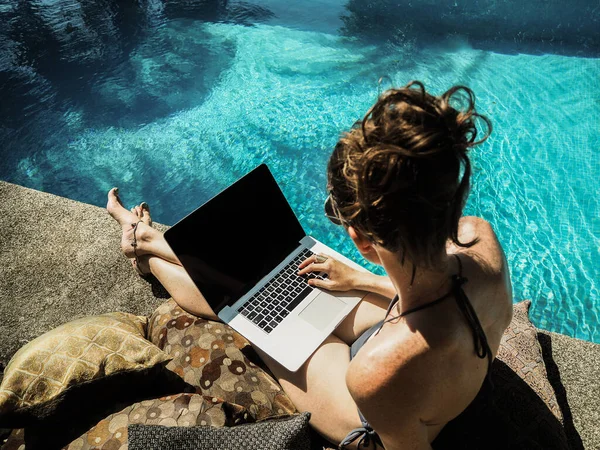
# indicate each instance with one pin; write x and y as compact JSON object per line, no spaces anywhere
{"x":228,"y":385}
{"x":521,"y":411}
{"x":218,"y":361}
{"x":40,"y":373}
{"x":520,"y":350}
{"x":516,"y":414}
{"x":182,"y":410}
{"x":291,"y":433}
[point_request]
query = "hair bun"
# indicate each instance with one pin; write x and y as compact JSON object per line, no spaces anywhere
{"x":401,"y":175}
{"x":414,"y":124}
{"x":458,"y":107}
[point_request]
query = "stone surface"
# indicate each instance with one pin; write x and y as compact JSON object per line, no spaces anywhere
{"x":60,"y":260}
{"x":573,"y":368}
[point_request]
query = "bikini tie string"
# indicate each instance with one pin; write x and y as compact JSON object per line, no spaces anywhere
{"x":368,"y":437}
{"x":458,"y":280}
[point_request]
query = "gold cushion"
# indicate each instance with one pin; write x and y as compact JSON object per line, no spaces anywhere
{"x":79,"y":351}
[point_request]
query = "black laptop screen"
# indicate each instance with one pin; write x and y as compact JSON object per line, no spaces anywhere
{"x":236,"y":238}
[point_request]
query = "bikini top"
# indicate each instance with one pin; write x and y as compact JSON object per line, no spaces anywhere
{"x":482,"y":348}
{"x":366,"y":435}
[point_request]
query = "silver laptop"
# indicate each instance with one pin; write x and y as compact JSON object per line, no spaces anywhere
{"x":242,"y":249}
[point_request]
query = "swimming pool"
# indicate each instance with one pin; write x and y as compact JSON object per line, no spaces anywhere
{"x":172,"y":102}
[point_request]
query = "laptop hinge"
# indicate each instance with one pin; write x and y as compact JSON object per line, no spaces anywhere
{"x":227,"y":314}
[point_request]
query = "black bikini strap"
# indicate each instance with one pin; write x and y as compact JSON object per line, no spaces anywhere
{"x":426,"y":305}
{"x":482,"y":347}
{"x":459,"y":265}
{"x":460,"y":279}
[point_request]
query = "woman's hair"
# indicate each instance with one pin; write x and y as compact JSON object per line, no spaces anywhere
{"x":400,"y":176}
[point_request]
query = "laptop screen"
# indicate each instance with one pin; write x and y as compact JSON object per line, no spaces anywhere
{"x":232,"y":241}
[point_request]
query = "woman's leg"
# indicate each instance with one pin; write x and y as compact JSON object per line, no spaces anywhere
{"x":319,"y":386}
{"x":156,"y":257}
{"x":179,"y":285}
{"x":150,"y":241}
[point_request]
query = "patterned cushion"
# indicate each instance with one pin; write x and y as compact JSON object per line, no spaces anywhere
{"x":521,"y":412}
{"x":290,"y":433}
{"x":183,"y":410}
{"x":520,"y":350}
{"x":230,"y":386}
{"x":218,"y":361}
{"x":79,"y":351}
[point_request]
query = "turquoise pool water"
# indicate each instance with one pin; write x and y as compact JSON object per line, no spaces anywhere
{"x":195,"y":104}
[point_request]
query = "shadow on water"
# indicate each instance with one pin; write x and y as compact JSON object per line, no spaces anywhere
{"x":508,"y":27}
{"x":109,"y":62}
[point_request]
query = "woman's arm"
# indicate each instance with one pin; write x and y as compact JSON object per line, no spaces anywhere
{"x":391,"y":386}
{"x":378,"y":284}
{"x":487,"y":251}
{"x":341,"y":277}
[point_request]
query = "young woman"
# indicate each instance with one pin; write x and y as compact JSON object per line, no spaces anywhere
{"x":418,"y":348}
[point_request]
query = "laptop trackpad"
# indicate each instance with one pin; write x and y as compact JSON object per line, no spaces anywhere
{"x":322,"y":311}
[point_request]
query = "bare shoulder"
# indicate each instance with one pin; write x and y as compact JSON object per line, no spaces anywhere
{"x":401,"y":365}
{"x":423,"y":373}
{"x":384,"y":360}
{"x":392,"y":376}
{"x":487,"y":252}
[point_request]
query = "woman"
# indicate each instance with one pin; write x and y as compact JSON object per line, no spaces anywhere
{"x":398,"y":182}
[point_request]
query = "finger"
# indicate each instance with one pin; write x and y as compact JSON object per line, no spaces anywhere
{"x":312,"y":268}
{"x":325,"y":284}
{"x":310,"y":260}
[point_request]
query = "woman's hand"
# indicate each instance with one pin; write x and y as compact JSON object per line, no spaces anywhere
{"x":340,"y":276}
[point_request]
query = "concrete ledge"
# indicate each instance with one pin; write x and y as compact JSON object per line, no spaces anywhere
{"x":573,"y":368}
{"x":60,"y":260}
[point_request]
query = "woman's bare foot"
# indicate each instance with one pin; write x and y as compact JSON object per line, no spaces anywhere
{"x":137,"y":224}
{"x":133,"y":225}
{"x":140,"y":264}
{"x":142,"y":211}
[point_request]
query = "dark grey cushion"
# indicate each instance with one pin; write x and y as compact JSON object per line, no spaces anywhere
{"x":290,"y":433}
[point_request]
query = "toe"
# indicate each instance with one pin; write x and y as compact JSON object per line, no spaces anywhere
{"x":146,"y":213}
{"x":117,"y":211}
{"x":113,"y":196}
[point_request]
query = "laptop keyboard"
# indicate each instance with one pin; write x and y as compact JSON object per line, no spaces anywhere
{"x":275,"y":300}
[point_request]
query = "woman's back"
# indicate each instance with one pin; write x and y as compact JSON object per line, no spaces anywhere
{"x":398,"y":182}
{"x":423,"y":366}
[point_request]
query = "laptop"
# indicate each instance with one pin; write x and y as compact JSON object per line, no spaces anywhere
{"x":242,"y":249}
